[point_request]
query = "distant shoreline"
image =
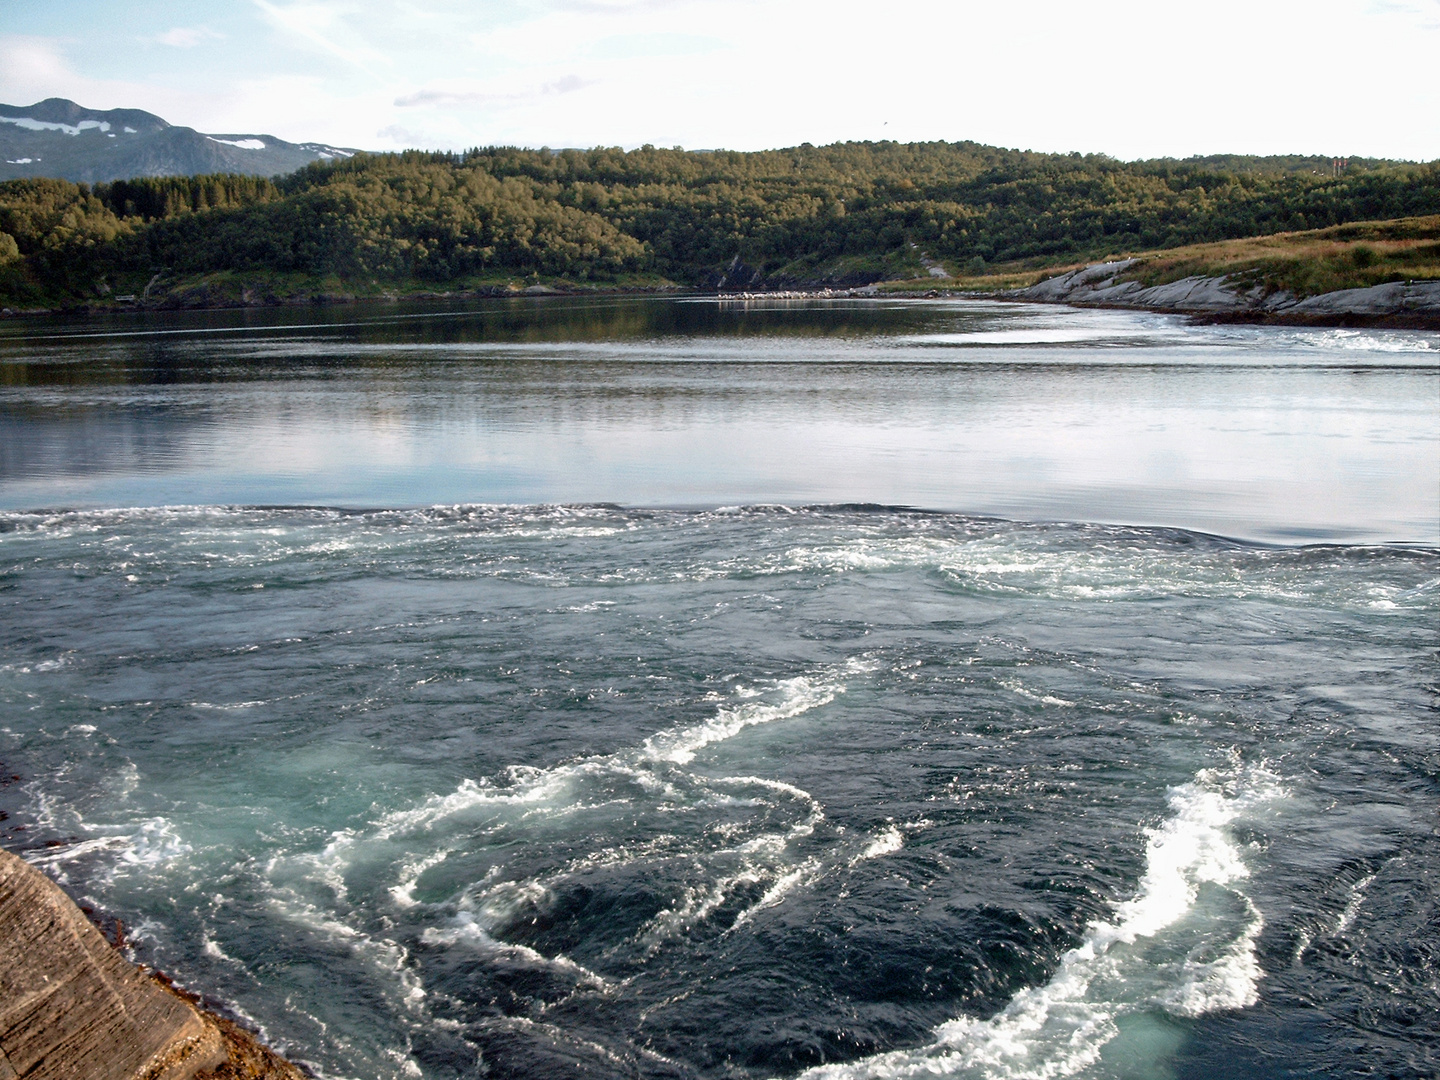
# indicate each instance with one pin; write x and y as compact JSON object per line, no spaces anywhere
{"x":1398,"y":306}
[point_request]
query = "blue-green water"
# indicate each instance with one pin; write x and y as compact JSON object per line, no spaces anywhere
{"x":758,"y":772}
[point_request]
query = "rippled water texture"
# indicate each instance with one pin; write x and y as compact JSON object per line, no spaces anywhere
{"x":731,"y":789}
{"x":1022,"y":411}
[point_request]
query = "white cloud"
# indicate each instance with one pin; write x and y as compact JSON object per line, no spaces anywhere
{"x":403,"y":136}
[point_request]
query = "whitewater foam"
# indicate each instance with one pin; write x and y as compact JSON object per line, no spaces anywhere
{"x":799,"y":695}
{"x":1124,"y":965}
{"x":526,"y":785}
{"x":645,"y":779}
{"x":136,"y":847}
{"x":888,"y":842}
{"x":468,"y":928}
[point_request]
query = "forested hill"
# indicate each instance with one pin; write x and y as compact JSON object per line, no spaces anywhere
{"x":850,"y":212}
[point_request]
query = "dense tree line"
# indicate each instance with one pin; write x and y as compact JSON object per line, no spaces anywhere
{"x":851,"y":211}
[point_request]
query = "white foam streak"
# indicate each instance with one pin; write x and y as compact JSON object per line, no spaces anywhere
{"x":552,"y":789}
{"x":210,"y":947}
{"x":634,"y":779}
{"x":800,"y":695}
{"x":787,"y":883}
{"x":1352,"y":908}
{"x":404,"y":893}
{"x":696,"y":906}
{"x":466,"y":929}
{"x":1128,"y":964}
{"x":70,"y":852}
{"x":389,"y":957}
{"x":887,"y":843}
{"x":1227,"y":982}
{"x":1015,"y":686}
{"x":624,"y":778}
{"x":1188,"y":849}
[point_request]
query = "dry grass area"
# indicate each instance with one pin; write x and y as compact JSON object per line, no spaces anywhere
{"x":1002,"y":277}
{"x":1353,"y":256}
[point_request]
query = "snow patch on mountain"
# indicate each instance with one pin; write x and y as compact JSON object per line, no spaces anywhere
{"x":243,"y":144}
{"x":45,"y":125}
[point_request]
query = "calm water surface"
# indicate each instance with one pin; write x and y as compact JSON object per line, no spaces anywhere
{"x":1015,"y":410}
{"x":666,"y":689}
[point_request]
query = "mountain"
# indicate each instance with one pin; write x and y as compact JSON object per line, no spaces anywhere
{"x":58,"y":138}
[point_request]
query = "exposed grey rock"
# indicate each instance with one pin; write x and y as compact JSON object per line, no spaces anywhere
{"x":1076,"y":282}
{"x":1096,"y":286}
{"x":1392,"y":298}
{"x":73,"y":1008}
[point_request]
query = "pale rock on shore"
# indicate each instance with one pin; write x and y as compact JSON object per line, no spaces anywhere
{"x":803,"y":294}
{"x":1096,"y":286}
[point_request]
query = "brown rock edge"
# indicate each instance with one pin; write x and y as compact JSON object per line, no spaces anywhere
{"x":247,"y":1057}
{"x":73,"y":1008}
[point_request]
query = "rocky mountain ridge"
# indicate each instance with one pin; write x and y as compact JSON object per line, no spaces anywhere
{"x":58,"y":138}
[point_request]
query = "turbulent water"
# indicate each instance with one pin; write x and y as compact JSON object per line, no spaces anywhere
{"x":839,"y":790}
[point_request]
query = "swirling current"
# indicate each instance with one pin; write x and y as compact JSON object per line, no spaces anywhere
{"x":672,"y":689}
{"x":513,"y":792}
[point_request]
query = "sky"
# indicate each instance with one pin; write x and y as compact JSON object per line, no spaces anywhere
{"x":1129,"y":78}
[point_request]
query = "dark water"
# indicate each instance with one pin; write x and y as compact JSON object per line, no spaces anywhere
{"x":708,"y":791}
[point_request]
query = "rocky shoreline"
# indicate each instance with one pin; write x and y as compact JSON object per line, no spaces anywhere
{"x":1399,"y":304}
{"x":72,"y":1006}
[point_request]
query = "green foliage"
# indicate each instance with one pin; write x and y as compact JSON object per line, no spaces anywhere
{"x":850,"y":211}
{"x":155,"y":197}
{"x":52,"y":215}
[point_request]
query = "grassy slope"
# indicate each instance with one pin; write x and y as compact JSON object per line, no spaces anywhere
{"x":1308,"y":263}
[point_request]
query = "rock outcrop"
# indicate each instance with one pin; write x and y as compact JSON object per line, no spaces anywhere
{"x":1393,"y":298}
{"x":73,"y":1008}
{"x":1401,"y":303}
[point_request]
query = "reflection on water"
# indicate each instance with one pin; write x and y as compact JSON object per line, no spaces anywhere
{"x":1015,"y":410}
